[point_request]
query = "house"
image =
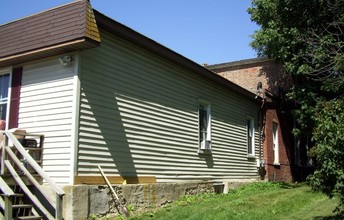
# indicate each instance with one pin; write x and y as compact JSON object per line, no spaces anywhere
{"x":285,"y":156}
{"x":98,"y":93}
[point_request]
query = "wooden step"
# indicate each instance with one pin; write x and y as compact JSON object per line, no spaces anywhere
{"x":15,"y":195}
{"x":33,"y":148}
{"x":11,"y":182}
{"x":28,"y":218}
{"x":23,"y":206}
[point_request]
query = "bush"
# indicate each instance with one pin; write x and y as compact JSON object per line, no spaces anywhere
{"x":329,"y":150}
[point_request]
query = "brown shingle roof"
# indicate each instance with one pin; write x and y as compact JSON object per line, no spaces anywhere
{"x":58,"y":30}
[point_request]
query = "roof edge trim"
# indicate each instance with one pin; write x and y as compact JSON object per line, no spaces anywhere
{"x":40,"y":53}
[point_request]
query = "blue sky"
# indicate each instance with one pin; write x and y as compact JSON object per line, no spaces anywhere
{"x":205,"y":31}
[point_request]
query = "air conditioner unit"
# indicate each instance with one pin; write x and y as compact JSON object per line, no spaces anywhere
{"x":206,"y":145}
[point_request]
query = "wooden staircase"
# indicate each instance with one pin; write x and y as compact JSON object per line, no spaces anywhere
{"x":22,"y":208}
{"x":21,"y":194}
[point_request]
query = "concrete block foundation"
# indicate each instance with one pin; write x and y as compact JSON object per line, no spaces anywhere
{"x":81,"y":201}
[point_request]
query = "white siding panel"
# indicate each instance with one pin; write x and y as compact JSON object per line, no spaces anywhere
{"x":46,"y":104}
{"x":139,"y":116}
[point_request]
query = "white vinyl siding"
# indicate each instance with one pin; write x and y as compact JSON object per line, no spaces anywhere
{"x":139,"y":116}
{"x":46,"y":107}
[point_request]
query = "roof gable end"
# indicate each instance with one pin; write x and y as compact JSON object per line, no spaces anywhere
{"x":58,"y":30}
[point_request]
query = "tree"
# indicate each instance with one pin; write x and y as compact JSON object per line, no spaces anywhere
{"x":329,"y":138}
{"x":307,"y":38}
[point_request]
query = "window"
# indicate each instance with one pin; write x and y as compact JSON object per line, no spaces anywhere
{"x":275,"y":142}
{"x":204,"y":126}
{"x":4,"y":86}
{"x":250,"y":137}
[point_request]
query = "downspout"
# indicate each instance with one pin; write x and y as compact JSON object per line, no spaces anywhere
{"x":261,"y":168}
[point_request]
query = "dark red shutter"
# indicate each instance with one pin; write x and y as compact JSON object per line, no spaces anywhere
{"x":15,"y":97}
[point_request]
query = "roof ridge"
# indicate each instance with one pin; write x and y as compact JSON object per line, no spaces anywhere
{"x":244,"y":62}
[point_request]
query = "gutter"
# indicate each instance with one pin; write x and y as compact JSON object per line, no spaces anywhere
{"x":260,"y":119}
{"x":261,"y":165}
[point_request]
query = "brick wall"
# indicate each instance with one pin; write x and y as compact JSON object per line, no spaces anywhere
{"x":247,"y":74}
{"x":281,"y":172}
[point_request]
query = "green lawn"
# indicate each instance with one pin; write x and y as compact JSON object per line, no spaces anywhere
{"x":254,"y":201}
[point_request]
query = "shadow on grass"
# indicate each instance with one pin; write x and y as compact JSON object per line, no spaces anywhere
{"x":331,"y":217}
{"x":291,"y":185}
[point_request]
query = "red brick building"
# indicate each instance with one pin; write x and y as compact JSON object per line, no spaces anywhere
{"x":266,"y":79}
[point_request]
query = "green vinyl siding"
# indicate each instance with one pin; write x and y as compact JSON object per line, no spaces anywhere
{"x":139,"y":116}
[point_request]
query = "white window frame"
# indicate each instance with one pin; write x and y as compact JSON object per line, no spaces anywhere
{"x":250,"y":131}
{"x":9,"y":72}
{"x":204,"y":139}
{"x":275,"y":143}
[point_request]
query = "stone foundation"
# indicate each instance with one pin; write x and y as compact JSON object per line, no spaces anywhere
{"x":81,"y":201}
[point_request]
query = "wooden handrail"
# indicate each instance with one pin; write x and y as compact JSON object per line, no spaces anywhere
{"x":6,"y":151}
{"x":8,"y":193}
{"x":33,"y":164}
{"x":33,"y":198}
{"x":25,"y":171}
{"x":2,"y":148}
{"x":6,"y":190}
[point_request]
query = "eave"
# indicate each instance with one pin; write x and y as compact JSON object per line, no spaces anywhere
{"x":41,"y":53}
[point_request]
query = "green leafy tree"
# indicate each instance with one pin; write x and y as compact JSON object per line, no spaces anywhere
{"x":329,"y":150}
{"x":307,"y":38}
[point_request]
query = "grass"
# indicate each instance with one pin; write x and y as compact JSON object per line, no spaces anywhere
{"x":254,"y":201}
